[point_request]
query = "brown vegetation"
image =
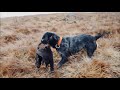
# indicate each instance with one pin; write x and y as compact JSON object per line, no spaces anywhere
{"x":21,"y":35}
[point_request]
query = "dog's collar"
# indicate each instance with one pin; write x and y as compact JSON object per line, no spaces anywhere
{"x":59,"y":42}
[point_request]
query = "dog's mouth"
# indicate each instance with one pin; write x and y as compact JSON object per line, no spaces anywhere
{"x":46,"y":45}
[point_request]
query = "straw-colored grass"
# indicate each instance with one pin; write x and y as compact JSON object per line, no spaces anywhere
{"x":21,"y":35}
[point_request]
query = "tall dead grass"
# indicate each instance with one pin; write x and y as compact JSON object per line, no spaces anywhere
{"x":9,"y":38}
{"x":15,"y":68}
{"x":19,"y":40}
{"x":95,"y":69}
{"x":23,"y":31}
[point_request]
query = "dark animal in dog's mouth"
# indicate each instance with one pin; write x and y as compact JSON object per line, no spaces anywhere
{"x":44,"y":55}
{"x":66,"y":46}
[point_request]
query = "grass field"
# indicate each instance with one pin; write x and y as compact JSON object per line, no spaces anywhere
{"x":19,"y":37}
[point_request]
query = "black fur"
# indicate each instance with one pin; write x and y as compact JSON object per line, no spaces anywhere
{"x":44,"y":55}
{"x":71,"y":45}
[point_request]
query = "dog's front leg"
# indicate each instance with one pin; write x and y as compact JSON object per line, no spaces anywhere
{"x":63,"y":60}
{"x":37,"y":63}
{"x":51,"y":66}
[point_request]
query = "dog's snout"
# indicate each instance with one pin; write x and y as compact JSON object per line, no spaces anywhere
{"x":42,"y":40}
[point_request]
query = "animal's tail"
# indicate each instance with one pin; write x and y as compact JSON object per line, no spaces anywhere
{"x":99,"y":35}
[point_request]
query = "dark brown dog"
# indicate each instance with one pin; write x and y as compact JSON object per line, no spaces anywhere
{"x":44,"y":55}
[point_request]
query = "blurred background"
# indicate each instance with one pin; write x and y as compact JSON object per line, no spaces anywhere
{"x":11,"y":14}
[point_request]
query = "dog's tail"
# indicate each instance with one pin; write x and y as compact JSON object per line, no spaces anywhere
{"x":99,"y":35}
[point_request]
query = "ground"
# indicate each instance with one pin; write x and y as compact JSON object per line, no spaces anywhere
{"x":19,"y":37}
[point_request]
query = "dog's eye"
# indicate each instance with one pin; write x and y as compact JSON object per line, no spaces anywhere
{"x":51,"y":37}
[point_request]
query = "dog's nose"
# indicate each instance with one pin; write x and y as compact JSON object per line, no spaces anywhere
{"x":42,"y":40}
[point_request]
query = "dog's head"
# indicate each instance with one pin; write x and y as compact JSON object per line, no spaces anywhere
{"x":42,"y":46}
{"x":50,"y":38}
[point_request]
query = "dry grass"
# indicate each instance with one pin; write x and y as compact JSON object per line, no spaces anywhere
{"x":20,"y":37}
{"x":23,"y":31}
{"x":14,"y":68}
{"x":95,"y":69}
{"x":9,"y":38}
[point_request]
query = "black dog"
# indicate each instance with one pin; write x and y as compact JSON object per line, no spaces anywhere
{"x":67,"y":46}
{"x":44,"y":55}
